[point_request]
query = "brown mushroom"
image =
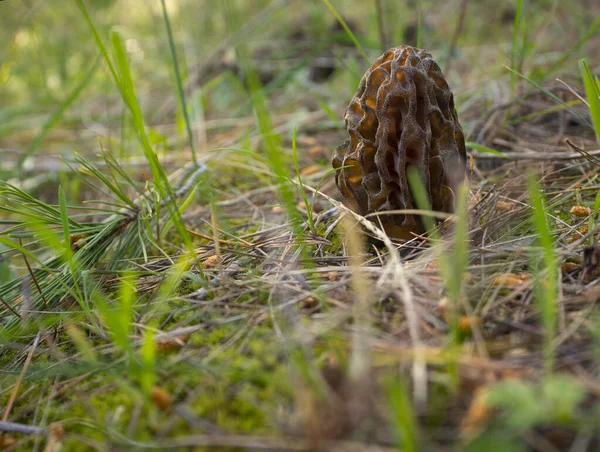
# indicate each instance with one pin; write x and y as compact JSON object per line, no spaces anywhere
{"x":402,"y":115}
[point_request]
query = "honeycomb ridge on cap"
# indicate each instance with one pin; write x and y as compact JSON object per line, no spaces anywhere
{"x":402,"y":115}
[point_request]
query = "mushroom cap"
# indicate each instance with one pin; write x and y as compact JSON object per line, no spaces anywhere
{"x":401,"y":116}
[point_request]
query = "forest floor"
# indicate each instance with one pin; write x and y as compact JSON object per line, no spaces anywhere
{"x":192,"y":281}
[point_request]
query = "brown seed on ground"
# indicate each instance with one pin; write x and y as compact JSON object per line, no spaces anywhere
{"x":210,"y":261}
{"x":466,"y":324}
{"x":504,"y":206}
{"x":580,"y":211}
{"x":161,"y":398}
{"x":333,"y":276}
{"x":510,"y":279}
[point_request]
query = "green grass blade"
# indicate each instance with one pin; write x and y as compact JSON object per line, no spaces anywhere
{"x":545,"y":269}
{"x":271,"y":140}
{"x":550,"y":95}
{"x":403,"y":416}
{"x":115,"y":188}
{"x":422,"y":200}
{"x":516,"y":47}
{"x":560,"y":63}
{"x":179,"y":82}
{"x":64,"y":216}
{"x":347,"y":30}
{"x":592,"y":92}
{"x":419,"y":23}
{"x":82,"y":343}
{"x":68,"y":254}
{"x":487,"y":150}
{"x":99,"y":42}
{"x":301,"y":189}
{"x":147,"y":371}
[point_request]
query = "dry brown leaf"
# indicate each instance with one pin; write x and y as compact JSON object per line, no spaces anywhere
{"x":569,"y":266}
{"x":173,"y":343}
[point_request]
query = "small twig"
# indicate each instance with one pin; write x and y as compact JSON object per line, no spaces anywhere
{"x":13,"y":395}
{"x":215,"y":230}
{"x":10,"y":308}
{"x":512,"y":156}
{"x":221,"y":241}
{"x":249,"y":442}
{"x":431,"y":213}
{"x":589,"y":157}
{"x":14,"y":427}
{"x":39,"y":289}
{"x":575,"y":93}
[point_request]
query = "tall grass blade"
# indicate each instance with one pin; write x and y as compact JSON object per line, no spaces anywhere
{"x":487,"y":150}
{"x":550,"y":95}
{"x":518,"y":43}
{"x":422,"y":200}
{"x":347,"y":30}
{"x":403,"y":416}
{"x":560,"y":63}
{"x":124,"y":81}
{"x":271,"y":140}
{"x":419,"y":23}
{"x":544,"y":269}
{"x":147,"y":371}
{"x":179,"y":82}
{"x":592,"y":93}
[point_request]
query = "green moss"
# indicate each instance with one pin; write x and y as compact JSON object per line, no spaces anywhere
{"x":243,"y":387}
{"x":335,"y":247}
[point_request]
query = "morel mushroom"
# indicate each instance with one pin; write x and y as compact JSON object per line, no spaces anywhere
{"x":402,"y":115}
